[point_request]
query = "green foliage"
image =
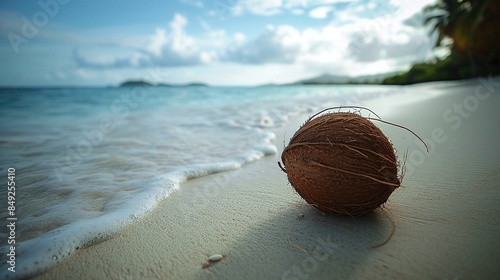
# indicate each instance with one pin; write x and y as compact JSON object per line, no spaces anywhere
{"x":473,"y":26}
{"x":426,"y":72}
{"x":451,"y":68}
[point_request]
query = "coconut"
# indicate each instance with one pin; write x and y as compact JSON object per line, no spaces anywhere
{"x":342,"y":163}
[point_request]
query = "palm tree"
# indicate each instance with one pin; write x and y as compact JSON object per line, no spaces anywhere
{"x":473,"y":26}
{"x":444,"y":17}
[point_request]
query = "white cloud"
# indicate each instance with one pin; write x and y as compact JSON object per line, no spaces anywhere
{"x":373,"y":40}
{"x":178,"y":23}
{"x":362,"y":38}
{"x":239,"y":38}
{"x":157,"y":42}
{"x":280,"y":44}
{"x":361,"y":47}
{"x":179,"y":43}
{"x":287,"y":45}
{"x":351,"y":9}
{"x":321,"y":12}
{"x":258,"y":7}
{"x":397,"y":10}
{"x":172,"y":47}
{"x":273,"y":7}
{"x":296,"y":3}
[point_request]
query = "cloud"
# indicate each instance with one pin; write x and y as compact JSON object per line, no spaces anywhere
{"x":318,"y":8}
{"x":280,"y":44}
{"x":343,"y":46}
{"x":386,"y":38}
{"x":321,"y":12}
{"x":175,"y":48}
{"x":362,"y":38}
{"x":258,"y":7}
{"x":273,"y":7}
{"x":286,"y":45}
{"x":166,"y":48}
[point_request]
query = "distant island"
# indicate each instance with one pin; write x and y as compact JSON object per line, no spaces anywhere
{"x":194,"y":84}
{"x":323,"y":79}
{"x":135,"y":83}
{"x":141,"y":83}
{"x":329,"y":79}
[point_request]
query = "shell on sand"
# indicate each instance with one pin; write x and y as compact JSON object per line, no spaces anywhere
{"x":341,"y":163}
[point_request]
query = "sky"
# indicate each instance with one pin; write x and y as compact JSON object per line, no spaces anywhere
{"x":219,"y":42}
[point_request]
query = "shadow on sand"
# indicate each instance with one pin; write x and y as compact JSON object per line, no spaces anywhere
{"x":301,"y":242}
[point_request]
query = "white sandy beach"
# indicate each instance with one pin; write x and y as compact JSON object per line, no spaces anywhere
{"x":447,"y":214}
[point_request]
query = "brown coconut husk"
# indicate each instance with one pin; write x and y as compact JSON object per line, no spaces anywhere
{"x":341,"y":163}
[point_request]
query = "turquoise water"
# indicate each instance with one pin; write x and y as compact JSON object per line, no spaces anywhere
{"x":90,"y":161}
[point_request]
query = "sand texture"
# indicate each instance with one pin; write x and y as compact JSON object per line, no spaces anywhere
{"x":446,"y":214}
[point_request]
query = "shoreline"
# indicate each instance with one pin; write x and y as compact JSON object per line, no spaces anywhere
{"x":446,"y":213}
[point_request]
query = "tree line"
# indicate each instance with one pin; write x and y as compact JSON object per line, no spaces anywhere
{"x":470,"y":29}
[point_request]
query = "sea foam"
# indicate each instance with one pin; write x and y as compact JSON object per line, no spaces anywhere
{"x":73,"y":194}
{"x":40,"y":253}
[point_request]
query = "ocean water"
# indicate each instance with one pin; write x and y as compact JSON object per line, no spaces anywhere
{"x":91,"y":161}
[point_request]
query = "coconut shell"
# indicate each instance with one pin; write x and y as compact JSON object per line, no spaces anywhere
{"x":341,"y":163}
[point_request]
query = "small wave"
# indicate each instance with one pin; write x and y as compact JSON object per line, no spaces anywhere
{"x":45,"y":251}
{"x":143,"y":161}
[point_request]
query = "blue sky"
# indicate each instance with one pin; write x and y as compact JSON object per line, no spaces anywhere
{"x":221,"y":42}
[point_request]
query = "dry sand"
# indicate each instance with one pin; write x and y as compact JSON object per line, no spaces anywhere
{"x":447,"y":215}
